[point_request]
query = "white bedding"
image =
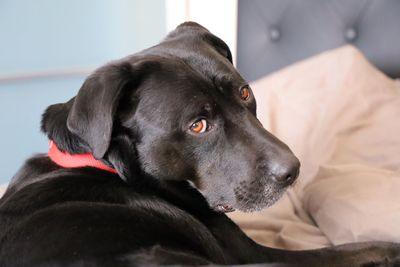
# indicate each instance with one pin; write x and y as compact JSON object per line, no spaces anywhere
{"x":341,"y":117}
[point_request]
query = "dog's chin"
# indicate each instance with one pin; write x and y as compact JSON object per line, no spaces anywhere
{"x":245,"y":197}
{"x":259,"y":204}
{"x":248,"y":202}
{"x":248,"y":205}
{"x":256,"y":201}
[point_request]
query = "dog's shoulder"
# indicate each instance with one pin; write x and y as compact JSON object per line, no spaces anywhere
{"x":33,"y":168}
{"x":42,"y":192}
{"x":40,"y":183}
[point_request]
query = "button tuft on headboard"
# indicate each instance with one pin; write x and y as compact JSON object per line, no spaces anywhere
{"x":274,"y":34}
{"x":283,"y":32}
{"x":350,"y":34}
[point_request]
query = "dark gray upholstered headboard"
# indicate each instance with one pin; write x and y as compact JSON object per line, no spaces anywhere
{"x":276,"y":33}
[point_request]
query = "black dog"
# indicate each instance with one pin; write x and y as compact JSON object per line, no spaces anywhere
{"x":177,"y":143}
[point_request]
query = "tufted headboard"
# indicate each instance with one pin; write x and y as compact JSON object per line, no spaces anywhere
{"x":276,"y":33}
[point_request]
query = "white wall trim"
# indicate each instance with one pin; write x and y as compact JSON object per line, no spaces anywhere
{"x":3,"y":188}
{"x":218,"y":16}
{"x":68,"y":72}
{"x":177,"y":11}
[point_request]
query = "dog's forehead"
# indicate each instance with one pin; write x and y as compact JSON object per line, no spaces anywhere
{"x":191,"y":82}
{"x":175,"y":82}
{"x":191,"y":72}
{"x":176,"y":90}
{"x":194,"y":49}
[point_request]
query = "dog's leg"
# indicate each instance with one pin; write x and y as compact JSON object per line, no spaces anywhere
{"x":243,"y":249}
{"x":368,"y":254}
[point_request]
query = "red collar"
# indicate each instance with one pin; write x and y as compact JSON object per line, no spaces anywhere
{"x":66,"y":160}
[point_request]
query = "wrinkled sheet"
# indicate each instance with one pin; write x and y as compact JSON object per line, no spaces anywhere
{"x":341,"y":117}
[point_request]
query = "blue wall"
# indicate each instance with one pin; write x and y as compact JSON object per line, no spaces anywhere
{"x":47,"y":35}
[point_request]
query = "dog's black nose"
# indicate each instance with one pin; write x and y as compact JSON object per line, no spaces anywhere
{"x":285,"y":172}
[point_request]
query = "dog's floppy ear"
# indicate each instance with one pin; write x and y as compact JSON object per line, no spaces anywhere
{"x":220,"y":46}
{"x":190,"y":27}
{"x":92,"y":113}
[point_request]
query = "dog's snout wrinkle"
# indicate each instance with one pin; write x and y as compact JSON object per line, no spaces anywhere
{"x":272,"y":160}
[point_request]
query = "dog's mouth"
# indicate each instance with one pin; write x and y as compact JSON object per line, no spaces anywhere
{"x":246,"y":198}
{"x":250,"y":198}
{"x":223,"y":208}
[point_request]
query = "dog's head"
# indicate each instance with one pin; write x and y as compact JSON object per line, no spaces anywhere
{"x":178,"y":111}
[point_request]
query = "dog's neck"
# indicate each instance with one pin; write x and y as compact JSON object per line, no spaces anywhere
{"x":67,"y":160}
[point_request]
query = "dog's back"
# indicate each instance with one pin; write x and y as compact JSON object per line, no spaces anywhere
{"x":53,"y":215}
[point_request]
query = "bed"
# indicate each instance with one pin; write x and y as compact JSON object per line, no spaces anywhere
{"x":324,"y":76}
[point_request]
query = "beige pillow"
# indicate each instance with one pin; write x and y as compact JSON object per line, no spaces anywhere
{"x":341,"y":117}
{"x":355,"y":202}
{"x":312,"y":104}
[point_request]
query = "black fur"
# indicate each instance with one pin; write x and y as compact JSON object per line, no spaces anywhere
{"x":166,"y":204}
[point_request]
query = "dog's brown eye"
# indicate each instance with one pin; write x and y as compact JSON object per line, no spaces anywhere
{"x":199,"y":126}
{"x":245,"y":93}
